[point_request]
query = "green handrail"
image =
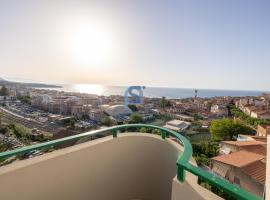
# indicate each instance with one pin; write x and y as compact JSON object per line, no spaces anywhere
{"x":183,"y":161}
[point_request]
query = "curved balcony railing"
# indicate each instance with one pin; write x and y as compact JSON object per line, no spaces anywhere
{"x":183,"y":161}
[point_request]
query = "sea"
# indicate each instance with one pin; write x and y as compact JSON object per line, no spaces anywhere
{"x":155,"y":92}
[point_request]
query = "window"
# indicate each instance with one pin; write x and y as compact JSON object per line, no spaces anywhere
{"x":236,"y":180}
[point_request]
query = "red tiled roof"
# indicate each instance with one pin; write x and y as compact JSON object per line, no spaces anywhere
{"x":260,"y":138}
{"x":256,"y":170}
{"x":244,"y":143}
{"x":258,"y":149}
{"x":239,"y":158}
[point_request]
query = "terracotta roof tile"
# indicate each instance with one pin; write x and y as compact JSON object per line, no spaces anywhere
{"x":260,"y":138}
{"x":256,"y":170}
{"x":258,"y":149}
{"x":239,"y":159}
{"x":244,"y":143}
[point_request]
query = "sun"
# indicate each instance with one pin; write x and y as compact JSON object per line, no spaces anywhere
{"x":91,"y":44}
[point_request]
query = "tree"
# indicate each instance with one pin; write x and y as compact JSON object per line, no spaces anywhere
{"x":1,"y":115}
{"x":136,"y":118}
{"x":227,"y":129}
{"x":143,"y":130}
{"x":107,"y":121}
{"x":133,"y":107}
{"x":25,"y":99}
{"x":203,"y":151}
{"x":165,"y":103}
{"x":85,"y":117}
{"x":237,"y":113}
{"x":72,"y":123}
{"x":3,"y":91}
{"x":22,"y":133}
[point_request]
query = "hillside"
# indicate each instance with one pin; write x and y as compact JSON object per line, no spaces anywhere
{"x":33,"y":85}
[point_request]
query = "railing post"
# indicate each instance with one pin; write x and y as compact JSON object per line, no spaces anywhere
{"x":163,"y":134}
{"x":180,"y":173}
{"x":114,"y":133}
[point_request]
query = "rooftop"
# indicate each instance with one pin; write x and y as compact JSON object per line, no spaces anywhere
{"x":256,"y":170}
{"x":239,"y":159}
{"x":244,"y":143}
{"x":258,"y":149}
{"x":176,"y":122}
{"x":116,"y":110}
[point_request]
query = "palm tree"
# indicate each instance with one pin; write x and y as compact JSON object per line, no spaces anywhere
{"x":163,"y":102}
{"x":1,"y":115}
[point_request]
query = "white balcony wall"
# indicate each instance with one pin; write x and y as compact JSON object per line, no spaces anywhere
{"x":132,"y":166}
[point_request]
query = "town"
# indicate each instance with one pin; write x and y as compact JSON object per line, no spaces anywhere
{"x":228,"y":134}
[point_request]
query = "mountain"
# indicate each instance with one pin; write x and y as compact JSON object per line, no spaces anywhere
{"x":32,"y":85}
{"x":2,"y":80}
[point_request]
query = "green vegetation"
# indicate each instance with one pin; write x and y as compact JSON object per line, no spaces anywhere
{"x":196,"y":117}
{"x":203,"y":151}
{"x":227,"y":129}
{"x":237,"y":113}
{"x":160,"y":119}
{"x":133,"y":107}
{"x":107,"y":121}
{"x":150,"y":130}
{"x":85,"y":117}
{"x":20,"y":132}
{"x":3,"y":91}
{"x":165,"y":103}
{"x":3,"y":147}
{"x":136,"y":118}
{"x":164,"y":117}
{"x":199,"y":137}
{"x":72,"y":123}
{"x":1,"y":115}
{"x":69,"y":122}
{"x":216,"y":190}
{"x":25,"y":99}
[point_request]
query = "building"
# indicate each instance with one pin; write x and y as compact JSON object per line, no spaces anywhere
{"x":118,"y":110}
{"x":219,"y":110}
{"x":177,"y":125}
{"x":184,"y":117}
{"x":243,"y":168}
{"x":249,"y":109}
{"x":260,"y":114}
{"x":263,"y":130}
{"x":254,"y":107}
{"x":227,"y":147}
{"x":96,"y":114}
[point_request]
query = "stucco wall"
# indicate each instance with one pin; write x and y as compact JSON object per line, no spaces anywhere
{"x":246,"y":182}
{"x":130,"y":166}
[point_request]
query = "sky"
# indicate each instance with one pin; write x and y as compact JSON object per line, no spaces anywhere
{"x":211,"y":44}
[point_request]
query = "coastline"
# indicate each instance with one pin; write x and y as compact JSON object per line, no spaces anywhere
{"x":151,"y":92}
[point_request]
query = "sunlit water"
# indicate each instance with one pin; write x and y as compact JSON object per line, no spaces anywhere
{"x":153,"y":91}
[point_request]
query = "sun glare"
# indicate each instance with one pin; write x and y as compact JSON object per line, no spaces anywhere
{"x":89,"y":88}
{"x":91,"y":44}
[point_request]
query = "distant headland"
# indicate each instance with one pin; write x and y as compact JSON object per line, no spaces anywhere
{"x":33,"y":85}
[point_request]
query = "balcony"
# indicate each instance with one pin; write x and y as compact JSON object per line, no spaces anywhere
{"x":119,"y":166}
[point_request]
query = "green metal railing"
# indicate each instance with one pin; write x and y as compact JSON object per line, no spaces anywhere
{"x":183,"y":161}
